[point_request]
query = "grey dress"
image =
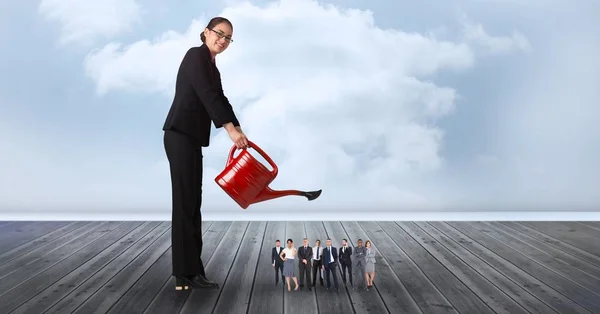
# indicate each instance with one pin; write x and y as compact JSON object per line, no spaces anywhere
{"x":289,"y":265}
{"x":370,"y":259}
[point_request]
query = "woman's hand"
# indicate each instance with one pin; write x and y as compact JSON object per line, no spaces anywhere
{"x":237,"y":136}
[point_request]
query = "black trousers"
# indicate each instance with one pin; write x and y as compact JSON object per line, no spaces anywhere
{"x":346,"y":265}
{"x":185,"y":163}
{"x":317,"y":267}
{"x":304,"y":271}
{"x":330,"y":270}
{"x":279,"y":272}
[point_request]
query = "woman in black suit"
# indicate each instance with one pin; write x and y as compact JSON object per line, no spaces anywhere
{"x":198,"y":101}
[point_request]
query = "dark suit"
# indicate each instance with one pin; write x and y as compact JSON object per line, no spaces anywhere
{"x":330,"y":263}
{"x":346,"y":262}
{"x":304,"y":269}
{"x":276,"y":260}
{"x":317,"y":266}
{"x":198,"y":100}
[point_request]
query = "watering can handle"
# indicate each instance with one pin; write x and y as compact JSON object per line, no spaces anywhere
{"x":260,"y":151}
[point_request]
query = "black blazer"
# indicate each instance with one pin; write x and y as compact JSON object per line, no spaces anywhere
{"x":305,"y":254}
{"x":199,"y":97}
{"x":326,"y":256}
{"x":347,"y":256}
{"x":275,"y":258}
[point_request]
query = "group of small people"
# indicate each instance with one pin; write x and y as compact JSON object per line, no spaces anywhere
{"x":358,"y":261}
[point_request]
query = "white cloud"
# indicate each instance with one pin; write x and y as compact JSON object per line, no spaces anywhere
{"x":496,"y":45}
{"x":84,"y":21}
{"x":339,"y":103}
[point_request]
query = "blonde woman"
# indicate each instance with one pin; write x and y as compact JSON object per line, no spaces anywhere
{"x":288,"y":255}
{"x":370,"y":264}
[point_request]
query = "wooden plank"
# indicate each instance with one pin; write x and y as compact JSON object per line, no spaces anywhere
{"x":566,"y":273}
{"x":503,"y":282}
{"x":551,"y":279}
{"x":111,"y":263}
{"x":327,"y":302}
{"x":494,"y":297}
{"x":203,"y":301}
{"x":583,"y":229}
{"x":14,"y":275}
{"x":79,"y":283}
{"x":591,"y":224}
{"x":424,"y":293}
{"x":42,"y":252}
{"x":266,"y":297}
{"x":102,"y":300}
{"x":499,"y":264}
{"x":169,"y":300}
{"x":524,"y":231}
{"x":59,"y":269}
{"x":301,"y":301}
{"x":20,"y":232}
{"x":235,"y":297}
{"x":391,"y":294}
{"x":5,"y":227}
{"x":533,"y":285}
{"x":144,"y":290}
{"x":457,"y":293}
{"x":575,"y":236}
{"x":46,"y":242}
{"x":552,"y":257}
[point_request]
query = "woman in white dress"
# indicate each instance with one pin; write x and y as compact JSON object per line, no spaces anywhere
{"x":370,"y":264}
{"x":288,"y":255}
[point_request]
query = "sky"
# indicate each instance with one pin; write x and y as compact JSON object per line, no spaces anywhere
{"x":388,"y":106}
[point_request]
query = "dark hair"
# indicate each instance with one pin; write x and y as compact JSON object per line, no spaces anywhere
{"x":345,"y":240}
{"x":290,"y":241}
{"x":277,"y":240}
{"x":212,"y":23}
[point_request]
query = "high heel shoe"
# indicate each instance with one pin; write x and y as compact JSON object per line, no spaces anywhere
{"x":180,"y":284}
{"x":185,"y":282}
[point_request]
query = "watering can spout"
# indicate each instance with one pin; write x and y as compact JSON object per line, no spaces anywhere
{"x":269,"y":194}
{"x":246,"y":180}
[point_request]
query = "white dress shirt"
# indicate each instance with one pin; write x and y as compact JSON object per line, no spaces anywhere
{"x":317,"y":250}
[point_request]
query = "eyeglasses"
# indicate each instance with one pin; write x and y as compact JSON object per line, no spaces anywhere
{"x":221,"y":35}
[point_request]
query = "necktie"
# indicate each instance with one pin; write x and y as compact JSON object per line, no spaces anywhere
{"x":318,"y":248}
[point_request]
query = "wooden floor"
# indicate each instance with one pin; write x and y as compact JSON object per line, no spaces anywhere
{"x":434,"y":267}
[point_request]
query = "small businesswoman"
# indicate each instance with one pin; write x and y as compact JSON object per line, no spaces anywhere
{"x":370,"y":264}
{"x":288,"y":255}
{"x":198,"y":101}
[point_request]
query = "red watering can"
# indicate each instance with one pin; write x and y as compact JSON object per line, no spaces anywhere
{"x":246,"y":180}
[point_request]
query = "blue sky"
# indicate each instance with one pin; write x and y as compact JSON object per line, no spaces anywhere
{"x":385,"y":105}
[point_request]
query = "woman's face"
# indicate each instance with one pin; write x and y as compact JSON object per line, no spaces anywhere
{"x":368,"y":244}
{"x":218,"y":39}
{"x":290,"y":244}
